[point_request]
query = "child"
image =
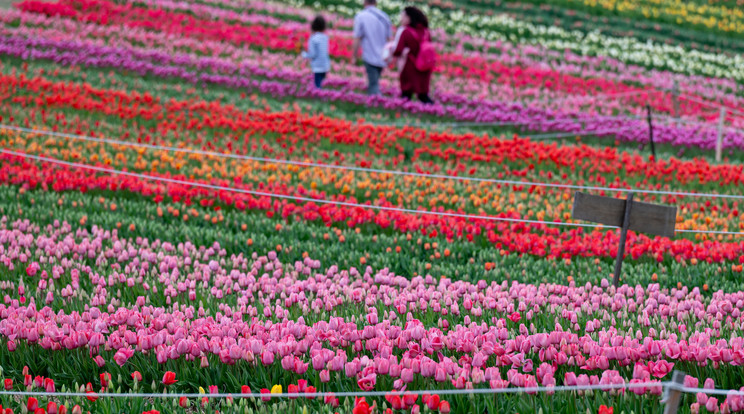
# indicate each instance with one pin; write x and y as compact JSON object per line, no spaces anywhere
{"x":317,"y":51}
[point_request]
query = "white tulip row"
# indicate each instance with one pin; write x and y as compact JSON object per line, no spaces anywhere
{"x":626,"y":49}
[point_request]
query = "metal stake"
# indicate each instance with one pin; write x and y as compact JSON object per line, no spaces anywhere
{"x":650,"y":130}
{"x":719,"y":138}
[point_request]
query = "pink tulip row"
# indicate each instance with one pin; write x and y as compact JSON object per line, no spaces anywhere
{"x":453,"y":332}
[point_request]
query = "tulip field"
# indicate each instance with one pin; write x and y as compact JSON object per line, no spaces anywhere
{"x":187,"y":225}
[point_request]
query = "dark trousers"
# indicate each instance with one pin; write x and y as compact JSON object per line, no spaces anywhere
{"x":319,"y":77}
{"x":373,"y":78}
{"x":423,"y":97}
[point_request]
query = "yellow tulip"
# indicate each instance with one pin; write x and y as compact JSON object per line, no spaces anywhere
{"x":201,"y":390}
{"x":276,"y":389}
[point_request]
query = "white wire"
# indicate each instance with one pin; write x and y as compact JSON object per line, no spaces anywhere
{"x":711,"y":104}
{"x":710,"y":232}
{"x":690,"y":390}
{"x":296,"y":198}
{"x":577,"y":134}
{"x":518,"y":390}
{"x":524,"y":123}
{"x":610,"y":94}
{"x":368,"y":170}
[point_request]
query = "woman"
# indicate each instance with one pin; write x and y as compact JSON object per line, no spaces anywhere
{"x":413,"y":81}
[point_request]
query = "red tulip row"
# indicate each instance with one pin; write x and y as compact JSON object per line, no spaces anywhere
{"x":592,"y":164}
{"x":535,"y":239}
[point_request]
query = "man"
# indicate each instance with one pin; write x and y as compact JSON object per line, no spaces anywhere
{"x":372,"y":30}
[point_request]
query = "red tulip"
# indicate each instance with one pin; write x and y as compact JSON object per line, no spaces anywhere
{"x":395,"y":401}
{"x":444,"y":407}
{"x":183,"y":402}
{"x":137,"y":376}
{"x":92,"y":396}
{"x":49,"y":385}
{"x":410,"y":399}
{"x":245,"y":389}
{"x":603,"y":409}
{"x":169,"y":378}
{"x":433,"y":402}
{"x":105,"y":378}
{"x":331,"y":400}
{"x":292,"y":389}
{"x":301,"y":385}
{"x":361,"y":407}
{"x":8,"y":382}
{"x":310,"y":390}
{"x":52,"y":408}
{"x":32,"y":404}
{"x":77,"y":410}
{"x":267,"y":392}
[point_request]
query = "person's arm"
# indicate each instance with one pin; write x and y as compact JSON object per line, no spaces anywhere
{"x":312,"y":48}
{"x":306,"y":53}
{"x":403,"y":43}
{"x":355,"y":48}
{"x":358,"y":34}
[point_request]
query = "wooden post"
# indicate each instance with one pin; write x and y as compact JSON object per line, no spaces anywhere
{"x":650,"y":130}
{"x":672,"y":395}
{"x":675,"y":99}
{"x":623,"y":236}
{"x":719,"y":138}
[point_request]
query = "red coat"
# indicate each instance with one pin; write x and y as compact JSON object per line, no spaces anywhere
{"x":411,"y":79}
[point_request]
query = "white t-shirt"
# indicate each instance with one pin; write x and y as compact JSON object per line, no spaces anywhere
{"x":387,"y":52}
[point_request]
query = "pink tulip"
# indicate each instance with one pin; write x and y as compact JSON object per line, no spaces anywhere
{"x":267,"y":358}
{"x":367,"y":383}
{"x":660,"y":369}
{"x":712,"y":405}
{"x":325,"y":376}
{"x":99,"y":361}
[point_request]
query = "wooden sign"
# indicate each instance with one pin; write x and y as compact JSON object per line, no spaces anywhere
{"x":644,"y":217}
{"x":626,"y":214}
